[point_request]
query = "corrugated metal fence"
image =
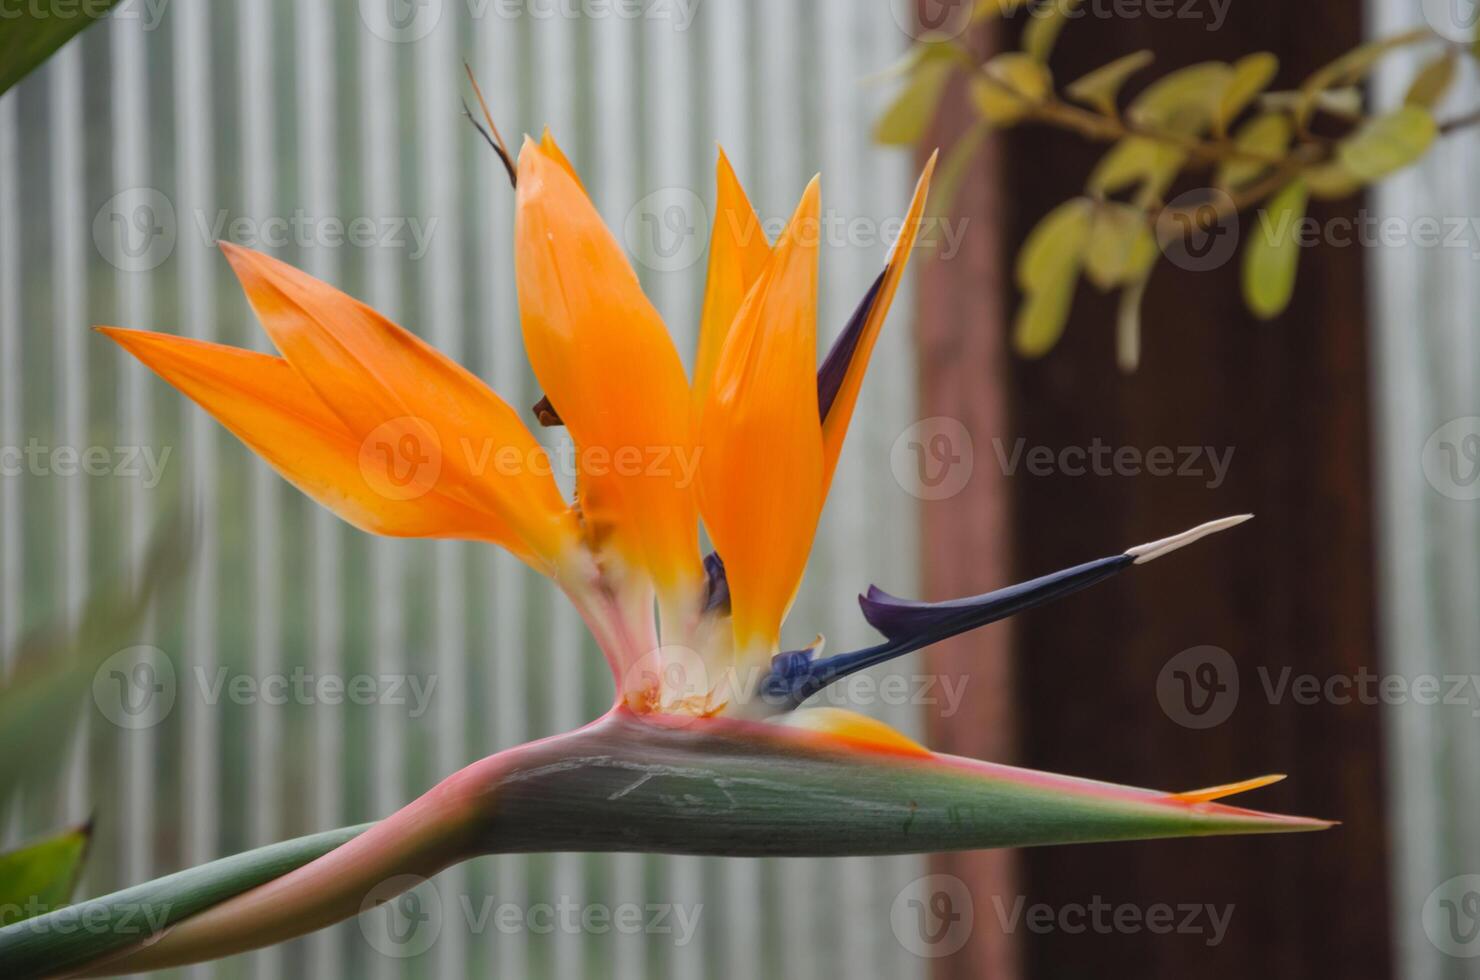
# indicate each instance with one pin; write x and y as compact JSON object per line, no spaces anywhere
{"x":329,"y":134}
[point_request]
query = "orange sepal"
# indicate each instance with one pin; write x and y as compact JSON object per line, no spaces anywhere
{"x":265,"y":404}
{"x":835,"y":427}
{"x":761,"y":464}
{"x":738,"y":253}
{"x":606,"y":362}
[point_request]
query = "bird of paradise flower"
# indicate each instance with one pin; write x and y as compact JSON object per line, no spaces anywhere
{"x":708,"y":748}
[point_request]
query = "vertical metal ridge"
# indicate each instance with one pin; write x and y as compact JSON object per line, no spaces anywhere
{"x":200,"y":783}
{"x":439,"y":273}
{"x":379,"y":150}
{"x":12,"y":499}
{"x":317,"y":161}
{"x":255,"y":79}
{"x":134,"y":294}
{"x":69,"y":271}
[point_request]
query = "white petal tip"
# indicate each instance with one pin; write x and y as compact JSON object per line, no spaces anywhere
{"x":1143,"y":553}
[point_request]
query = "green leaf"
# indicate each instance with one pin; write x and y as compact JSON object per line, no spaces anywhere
{"x":1331,"y":181}
{"x":996,"y":104}
{"x":1273,"y":253}
{"x":1128,"y":325}
{"x":56,"y":942}
{"x":1055,"y":243}
{"x":1349,"y":69}
{"x":1268,"y":135}
{"x":1101,"y":87}
{"x":1251,"y":75}
{"x":31,"y":32}
{"x":1388,"y":142}
{"x":1432,"y":81}
{"x":953,"y":171}
{"x":1137,"y":160}
{"x":1025,"y":76}
{"x":1044,"y":312}
{"x":40,"y":877}
{"x":1121,"y":245}
{"x":1044,"y":27}
{"x":1185,"y":101}
{"x":906,"y":120}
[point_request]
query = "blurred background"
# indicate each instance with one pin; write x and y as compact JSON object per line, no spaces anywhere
{"x":330,"y":135}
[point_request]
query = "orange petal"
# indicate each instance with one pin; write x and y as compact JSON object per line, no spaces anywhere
{"x":609,"y":368}
{"x":554,"y":152}
{"x":738,"y":252}
{"x":835,"y":427}
{"x":386,"y":384}
{"x":1231,"y":789}
{"x":268,"y":406}
{"x":761,"y":465}
{"x":855,"y":731}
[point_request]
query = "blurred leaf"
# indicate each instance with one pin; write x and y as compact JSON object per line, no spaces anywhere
{"x":1251,"y":75}
{"x":1346,"y":102}
{"x":40,"y":877}
{"x":31,"y":32}
{"x":54,"y":666}
{"x":1183,"y":102}
{"x":1121,"y":246}
{"x":1273,"y":253}
{"x":1047,"y":271}
{"x":1388,"y":142}
{"x":1349,"y":69}
{"x":991,"y":9}
{"x":1128,"y":324}
{"x":1101,"y":87}
{"x":905,"y":121}
{"x":1043,"y":29}
{"x":1137,"y":160}
{"x":997,"y":105}
{"x":1058,"y":240}
{"x":1043,"y":314}
{"x":1432,"y":82}
{"x":953,"y":171}
{"x":1023,"y":75}
{"x":1331,"y":181}
{"x":1267,"y":135}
